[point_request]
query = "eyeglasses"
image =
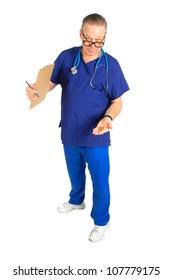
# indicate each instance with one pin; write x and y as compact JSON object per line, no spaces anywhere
{"x":88,"y":42}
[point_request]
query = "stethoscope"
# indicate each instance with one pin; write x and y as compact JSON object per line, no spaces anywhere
{"x":74,"y":69}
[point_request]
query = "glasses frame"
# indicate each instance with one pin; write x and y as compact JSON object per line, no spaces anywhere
{"x":92,"y":43}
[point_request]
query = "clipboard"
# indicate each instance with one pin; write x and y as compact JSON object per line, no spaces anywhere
{"x":42,"y":83}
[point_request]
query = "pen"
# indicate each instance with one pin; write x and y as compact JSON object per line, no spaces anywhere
{"x":31,"y":87}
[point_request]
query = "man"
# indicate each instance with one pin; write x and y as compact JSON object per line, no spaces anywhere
{"x":92,"y":85}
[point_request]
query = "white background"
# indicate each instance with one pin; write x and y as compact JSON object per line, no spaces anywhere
{"x":33,"y":177}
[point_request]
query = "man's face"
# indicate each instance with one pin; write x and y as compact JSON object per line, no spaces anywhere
{"x":92,"y":33}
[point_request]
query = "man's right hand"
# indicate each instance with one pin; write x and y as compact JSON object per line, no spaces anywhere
{"x":31,"y":92}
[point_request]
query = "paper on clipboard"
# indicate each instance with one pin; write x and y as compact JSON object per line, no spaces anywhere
{"x":41,"y":84}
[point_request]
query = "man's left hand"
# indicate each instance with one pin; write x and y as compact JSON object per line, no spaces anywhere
{"x":103,"y":126}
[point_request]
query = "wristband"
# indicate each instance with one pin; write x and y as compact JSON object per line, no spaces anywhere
{"x":108,"y":117}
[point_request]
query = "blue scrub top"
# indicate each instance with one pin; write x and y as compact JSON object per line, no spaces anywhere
{"x":82,"y":107}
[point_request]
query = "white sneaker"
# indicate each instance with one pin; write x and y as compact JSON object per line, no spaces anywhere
{"x":67,"y":207}
{"x":98,"y":233}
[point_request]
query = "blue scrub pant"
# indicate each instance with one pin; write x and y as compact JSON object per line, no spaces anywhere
{"x":97,"y":160}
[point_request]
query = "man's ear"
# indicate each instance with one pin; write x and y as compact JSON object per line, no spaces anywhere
{"x":80,"y":34}
{"x":105,"y":34}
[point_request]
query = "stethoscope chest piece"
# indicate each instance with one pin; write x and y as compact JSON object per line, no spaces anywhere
{"x":74,"y":70}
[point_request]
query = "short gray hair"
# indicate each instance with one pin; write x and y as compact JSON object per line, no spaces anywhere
{"x":95,"y":19}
